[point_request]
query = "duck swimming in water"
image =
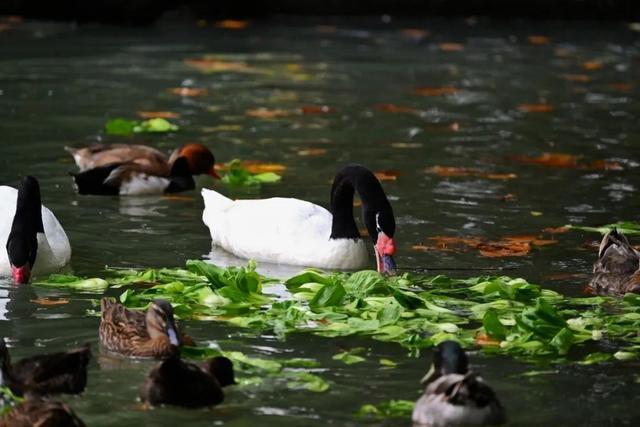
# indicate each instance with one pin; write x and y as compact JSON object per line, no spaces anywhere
{"x":297,"y":232}
{"x":112,"y":169}
{"x":454,"y":396}
{"x":32,"y":239}
{"x":617,"y":269}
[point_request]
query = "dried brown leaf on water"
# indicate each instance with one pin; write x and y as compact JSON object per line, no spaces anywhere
{"x":451,"y":47}
{"x":158,"y":114}
{"x":436,"y":91}
{"x":567,"y":161}
{"x":485,"y":340}
{"x":505,"y":247}
{"x":268,"y":113}
{"x":580,"y":78}
{"x":312,"y":152}
{"x":316,"y":109}
{"x":393,"y":108}
{"x":232,"y":24}
{"x":50,"y":301}
{"x":536,"y":108}
{"x":415,"y":33}
{"x":453,"y":171}
{"x":256,"y":166}
{"x":188,"y":91}
{"x":538,"y":40}
{"x":592,"y":65}
{"x":622,"y":87}
{"x":387,"y":175}
{"x":214,"y":65}
{"x":405,"y":145}
{"x":555,"y":230}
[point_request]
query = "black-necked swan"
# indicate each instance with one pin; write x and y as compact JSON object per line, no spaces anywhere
{"x":297,"y":232}
{"x":33,"y":240}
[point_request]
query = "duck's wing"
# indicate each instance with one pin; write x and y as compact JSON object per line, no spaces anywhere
{"x":132,"y":178}
{"x":125,"y":322}
{"x":98,"y":155}
{"x":62,"y":372}
{"x":617,"y":266}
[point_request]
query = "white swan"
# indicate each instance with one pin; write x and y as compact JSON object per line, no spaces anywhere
{"x":32,"y":239}
{"x":292,"y":231}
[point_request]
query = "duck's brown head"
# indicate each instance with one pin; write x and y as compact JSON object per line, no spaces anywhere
{"x":160,"y":321}
{"x":200,"y":159}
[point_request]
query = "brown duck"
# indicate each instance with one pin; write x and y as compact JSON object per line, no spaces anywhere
{"x":175,"y":382}
{"x":41,"y":413}
{"x":62,"y":372}
{"x":617,"y":270}
{"x":140,"y":334}
{"x":137,"y":169}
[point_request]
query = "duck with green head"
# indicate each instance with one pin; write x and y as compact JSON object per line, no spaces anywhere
{"x":455,"y":396}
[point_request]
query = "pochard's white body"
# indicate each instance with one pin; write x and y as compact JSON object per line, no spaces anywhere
{"x":280,"y":230}
{"x":54,"y":250}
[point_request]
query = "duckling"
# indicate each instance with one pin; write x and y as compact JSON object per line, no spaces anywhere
{"x":176,"y":382}
{"x":41,"y":413}
{"x":454,"y":396}
{"x":62,"y":372}
{"x":137,"y":169}
{"x":139,"y":334}
{"x":617,"y":269}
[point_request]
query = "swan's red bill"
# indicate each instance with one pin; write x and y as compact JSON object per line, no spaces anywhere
{"x":22,"y":274}
{"x":385,"y":248}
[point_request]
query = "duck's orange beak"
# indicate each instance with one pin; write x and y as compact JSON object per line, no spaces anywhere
{"x":212,"y":172}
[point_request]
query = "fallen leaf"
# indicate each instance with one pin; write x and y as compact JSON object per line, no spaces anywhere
{"x":622,"y":87}
{"x":507,"y":246}
{"x":188,"y":91}
{"x":592,"y":65}
{"x":256,"y":166}
{"x":451,"y":47}
{"x":316,"y":109}
{"x":267,"y":113}
{"x":222,"y":128}
{"x":415,"y":33}
{"x":568,"y":161}
{"x":562,"y":52}
{"x":436,"y":91}
{"x":326,"y":28}
{"x":485,"y":340}
{"x":538,"y":40}
{"x":581,"y":78}
{"x":452,"y":171}
{"x":387,"y":175}
{"x":50,"y":301}
{"x":393,"y":108}
{"x":536,"y":108}
{"x":535,"y":213}
{"x":406,"y":145}
{"x":555,"y":230}
{"x":158,"y":114}
{"x":213,"y":65}
{"x":312,"y":152}
{"x":501,"y":249}
{"x":232,"y":24}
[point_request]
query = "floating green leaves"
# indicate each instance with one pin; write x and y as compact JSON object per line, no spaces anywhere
{"x":237,"y":175}
{"x":352,"y":356}
{"x":73,"y":282}
{"x":8,"y":400}
{"x":388,"y":409}
{"x":121,"y":126}
{"x":625,"y":227}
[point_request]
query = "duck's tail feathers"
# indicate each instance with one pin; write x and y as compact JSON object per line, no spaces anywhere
{"x":613,"y":237}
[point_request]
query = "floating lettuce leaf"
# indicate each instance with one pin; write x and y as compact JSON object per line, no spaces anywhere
{"x":121,"y":126}
{"x":352,"y":356}
{"x":73,"y":282}
{"x":238,"y":176}
{"x":625,"y":227}
{"x":389,"y":409}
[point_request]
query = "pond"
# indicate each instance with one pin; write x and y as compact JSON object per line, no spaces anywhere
{"x":459,"y":113}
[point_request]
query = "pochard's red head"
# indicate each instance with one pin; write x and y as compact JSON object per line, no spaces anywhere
{"x":200,"y":159}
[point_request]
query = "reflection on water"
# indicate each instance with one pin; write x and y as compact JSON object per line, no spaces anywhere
{"x":468,"y":95}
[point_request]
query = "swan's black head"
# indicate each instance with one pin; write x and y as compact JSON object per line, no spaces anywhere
{"x":448,"y":358}
{"x":22,"y":243}
{"x":376,"y":211}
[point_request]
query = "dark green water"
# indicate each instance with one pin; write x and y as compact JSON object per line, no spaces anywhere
{"x":60,"y":84}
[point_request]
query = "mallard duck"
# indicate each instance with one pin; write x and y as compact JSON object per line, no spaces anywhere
{"x":140,"y":334}
{"x":617,"y":270}
{"x":176,"y":382}
{"x":62,"y":372}
{"x":297,"y":232}
{"x":41,"y":413}
{"x":137,"y":169}
{"x":454,"y":396}
{"x":32,"y":239}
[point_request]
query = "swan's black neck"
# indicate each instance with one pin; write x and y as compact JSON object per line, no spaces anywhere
{"x":22,"y":243}
{"x":376,"y":210}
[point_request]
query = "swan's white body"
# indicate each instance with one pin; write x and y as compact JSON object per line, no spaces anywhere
{"x":54,"y":250}
{"x":279,"y":230}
